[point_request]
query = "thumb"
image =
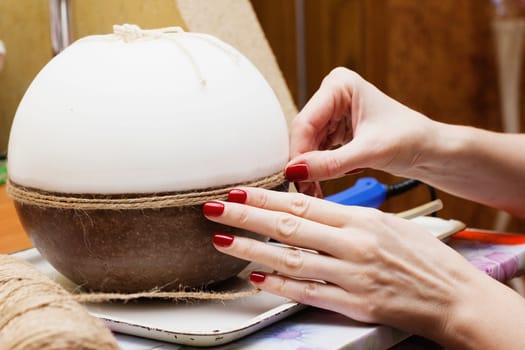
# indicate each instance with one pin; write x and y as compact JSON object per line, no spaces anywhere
{"x":329,"y":164}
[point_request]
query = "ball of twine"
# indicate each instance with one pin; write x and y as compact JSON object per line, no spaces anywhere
{"x":37,"y":313}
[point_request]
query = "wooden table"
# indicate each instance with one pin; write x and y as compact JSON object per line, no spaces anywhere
{"x":12,"y":234}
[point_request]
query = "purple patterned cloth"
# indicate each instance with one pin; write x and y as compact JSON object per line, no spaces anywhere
{"x":501,"y":262}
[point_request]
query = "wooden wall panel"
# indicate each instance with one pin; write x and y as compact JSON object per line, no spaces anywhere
{"x":334,"y":37}
{"x":24,"y":28}
{"x":445,"y":71}
{"x":332,"y":30}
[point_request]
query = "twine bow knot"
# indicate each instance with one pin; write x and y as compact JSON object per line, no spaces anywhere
{"x":129,"y":32}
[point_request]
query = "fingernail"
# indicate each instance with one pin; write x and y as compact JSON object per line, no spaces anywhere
{"x":257,"y":277}
{"x":213,"y":208}
{"x":355,"y":171}
{"x":297,"y":172}
{"x":237,"y":196}
{"x":222,"y":239}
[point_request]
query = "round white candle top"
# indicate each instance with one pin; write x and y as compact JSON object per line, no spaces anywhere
{"x":146,"y":111}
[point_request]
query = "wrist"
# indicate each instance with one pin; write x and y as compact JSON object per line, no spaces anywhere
{"x":485,"y":315}
{"x":443,"y":147}
{"x":459,"y":324}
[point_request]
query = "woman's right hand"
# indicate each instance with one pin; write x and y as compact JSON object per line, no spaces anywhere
{"x":348,"y":125}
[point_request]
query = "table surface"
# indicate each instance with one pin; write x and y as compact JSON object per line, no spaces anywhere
{"x":12,"y":234}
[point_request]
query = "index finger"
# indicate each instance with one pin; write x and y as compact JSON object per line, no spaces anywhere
{"x":298,"y":204}
{"x":333,"y":97}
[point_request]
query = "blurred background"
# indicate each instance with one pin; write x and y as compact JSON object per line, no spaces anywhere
{"x":451,"y":60}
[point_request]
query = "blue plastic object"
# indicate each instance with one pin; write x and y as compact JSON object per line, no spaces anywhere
{"x":367,"y":192}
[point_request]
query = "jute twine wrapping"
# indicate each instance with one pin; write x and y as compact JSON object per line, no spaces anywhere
{"x":182,"y":295}
{"x":37,"y":313}
{"x":40,"y":198}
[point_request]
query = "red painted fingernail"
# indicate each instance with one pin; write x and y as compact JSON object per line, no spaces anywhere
{"x":257,"y":277}
{"x":237,"y":196}
{"x":213,"y":208}
{"x":297,"y":172}
{"x":222,"y":239}
{"x":355,"y":171}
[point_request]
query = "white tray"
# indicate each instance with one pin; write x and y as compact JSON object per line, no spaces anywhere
{"x":196,"y":323}
{"x":203,"y":323}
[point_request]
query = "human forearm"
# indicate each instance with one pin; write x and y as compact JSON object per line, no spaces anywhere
{"x":487,"y":315}
{"x":479,"y":165}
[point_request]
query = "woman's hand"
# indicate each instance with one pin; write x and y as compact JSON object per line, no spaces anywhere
{"x":349,"y":124}
{"x":370,"y":266}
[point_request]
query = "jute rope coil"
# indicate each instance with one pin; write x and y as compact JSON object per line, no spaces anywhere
{"x":37,"y":313}
{"x":39,"y":198}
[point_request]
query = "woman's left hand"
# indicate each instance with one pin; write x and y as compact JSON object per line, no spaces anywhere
{"x":368,"y":265}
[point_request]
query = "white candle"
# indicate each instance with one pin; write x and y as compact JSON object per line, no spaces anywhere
{"x":146,"y":111}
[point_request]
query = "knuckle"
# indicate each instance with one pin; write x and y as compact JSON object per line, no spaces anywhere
{"x":243,"y":215}
{"x":248,"y":250}
{"x":371,"y":252}
{"x":387,"y":220}
{"x":287,"y":226}
{"x":309,"y":293}
{"x":367,"y":249}
{"x":362,"y":279}
{"x":293,"y":260}
{"x":299,"y":205}
{"x":368,"y":217}
{"x":369,"y":213}
{"x":370,"y":308}
{"x":373,"y":308}
{"x":376,"y":214}
{"x":262,"y":200}
{"x":332,"y":166}
{"x":281,"y":286}
{"x":341,"y":74}
{"x":337,"y":73}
